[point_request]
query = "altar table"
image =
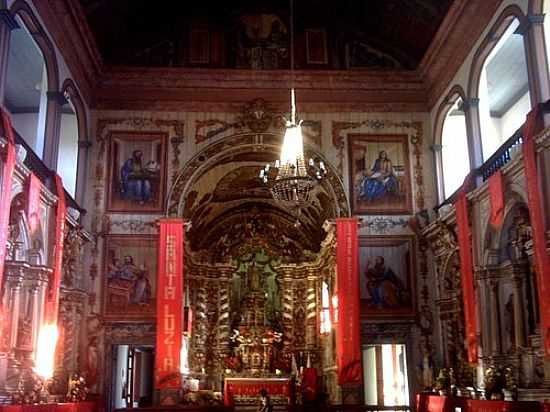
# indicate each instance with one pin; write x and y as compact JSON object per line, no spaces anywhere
{"x":434,"y":403}
{"x":245,"y":391}
{"x":87,"y":406}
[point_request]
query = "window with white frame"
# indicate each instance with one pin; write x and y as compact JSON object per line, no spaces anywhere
{"x":455,"y":158}
{"x":504,"y":99}
{"x":26,"y":86}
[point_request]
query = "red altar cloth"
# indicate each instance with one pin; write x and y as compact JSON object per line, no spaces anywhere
{"x":545,"y":407}
{"x":251,"y":387}
{"x":88,"y":406}
{"x":433,"y":403}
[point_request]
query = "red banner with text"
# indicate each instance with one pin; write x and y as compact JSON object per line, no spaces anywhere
{"x":52,"y":297}
{"x":467,"y":272}
{"x":348,"y":339}
{"x":542,"y":261}
{"x":33,"y":203}
{"x":169,"y":304}
{"x":5,"y":195}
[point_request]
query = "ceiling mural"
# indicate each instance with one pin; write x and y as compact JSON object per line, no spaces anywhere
{"x":247,"y":34}
{"x":231,"y":210}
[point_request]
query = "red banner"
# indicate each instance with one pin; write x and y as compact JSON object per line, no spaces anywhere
{"x":52,"y":297}
{"x":33,"y":202}
{"x":5,"y":195}
{"x":466,"y":269}
{"x":348,"y":339}
{"x":169,"y":304}
{"x":532,"y":126}
{"x":496,"y":197}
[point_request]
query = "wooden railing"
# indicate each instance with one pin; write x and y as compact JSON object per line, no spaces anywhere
{"x":499,"y":159}
{"x":37,"y":166}
{"x":502,"y":156}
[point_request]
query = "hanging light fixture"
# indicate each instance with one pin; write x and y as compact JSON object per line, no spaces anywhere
{"x":290,"y":179}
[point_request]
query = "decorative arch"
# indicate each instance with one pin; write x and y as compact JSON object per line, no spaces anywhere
{"x":220,"y":185}
{"x":24,"y":11}
{"x":70,"y":91}
{"x":489,"y":42}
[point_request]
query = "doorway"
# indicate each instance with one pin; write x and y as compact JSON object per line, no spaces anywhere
{"x":133,"y":370}
{"x":385,"y":376}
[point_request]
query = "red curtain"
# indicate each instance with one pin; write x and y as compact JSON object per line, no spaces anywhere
{"x":169,"y":304}
{"x":5,"y":195}
{"x":348,"y":339}
{"x":496,"y":196}
{"x":52,"y":298}
{"x":466,"y":270}
{"x":531,"y":127}
{"x":33,"y":202}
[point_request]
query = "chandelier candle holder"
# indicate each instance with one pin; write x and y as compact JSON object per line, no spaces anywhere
{"x":290,"y":179}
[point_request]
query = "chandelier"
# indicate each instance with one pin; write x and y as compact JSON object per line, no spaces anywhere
{"x":290,"y":179}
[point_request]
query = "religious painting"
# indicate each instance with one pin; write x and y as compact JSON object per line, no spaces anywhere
{"x":316,"y":46}
{"x":137,"y":172}
{"x":379,"y":173}
{"x":386,"y":265}
{"x":130,"y":275}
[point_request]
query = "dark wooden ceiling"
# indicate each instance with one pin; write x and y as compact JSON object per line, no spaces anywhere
{"x":126,"y":29}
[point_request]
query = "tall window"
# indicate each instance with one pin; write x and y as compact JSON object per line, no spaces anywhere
{"x":454,"y":151}
{"x":385,"y":375}
{"x":26,"y":87}
{"x":67,"y":158}
{"x":503,"y":91}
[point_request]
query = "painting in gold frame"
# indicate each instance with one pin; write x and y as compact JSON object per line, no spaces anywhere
{"x":379,"y":173}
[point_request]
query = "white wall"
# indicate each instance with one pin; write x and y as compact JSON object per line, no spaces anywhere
{"x":456,"y":161}
{"x":26,"y":124}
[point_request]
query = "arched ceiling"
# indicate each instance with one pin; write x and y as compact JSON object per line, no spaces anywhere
{"x":232,"y":211}
{"x":127,"y":30}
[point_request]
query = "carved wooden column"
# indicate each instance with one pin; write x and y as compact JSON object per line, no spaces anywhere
{"x":7,"y":24}
{"x":202,"y":326}
{"x":224,"y":326}
{"x":496,"y":341}
{"x":519,"y":313}
{"x":311,"y":314}
{"x":13,"y":284}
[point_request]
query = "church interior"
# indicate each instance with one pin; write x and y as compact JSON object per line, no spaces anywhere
{"x":274,"y":205}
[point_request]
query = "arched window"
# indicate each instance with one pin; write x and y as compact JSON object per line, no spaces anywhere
{"x":503,"y":90}
{"x":67,"y":157}
{"x":26,"y":87}
{"x":454,"y":148}
{"x":72,"y":154}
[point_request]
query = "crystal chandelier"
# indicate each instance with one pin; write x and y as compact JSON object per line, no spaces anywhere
{"x":290,"y":179}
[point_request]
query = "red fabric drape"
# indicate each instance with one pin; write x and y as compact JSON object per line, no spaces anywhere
{"x":5,"y":196}
{"x":33,"y":202}
{"x":496,"y":196}
{"x":169,"y":304}
{"x":531,"y":127}
{"x":348,"y":340}
{"x":466,"y":270}
{"x":309,"y":384}
{"x":52,"y":298}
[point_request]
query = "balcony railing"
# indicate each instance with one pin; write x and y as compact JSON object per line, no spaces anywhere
{"x":498,"y":160}
{"x":37,"y":166}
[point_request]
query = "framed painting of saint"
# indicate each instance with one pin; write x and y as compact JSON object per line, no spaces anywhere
{"x":130,"y":273}
{"x":137,"y":172}
{"x":386,"y":267}
{"x":379,"y":173}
